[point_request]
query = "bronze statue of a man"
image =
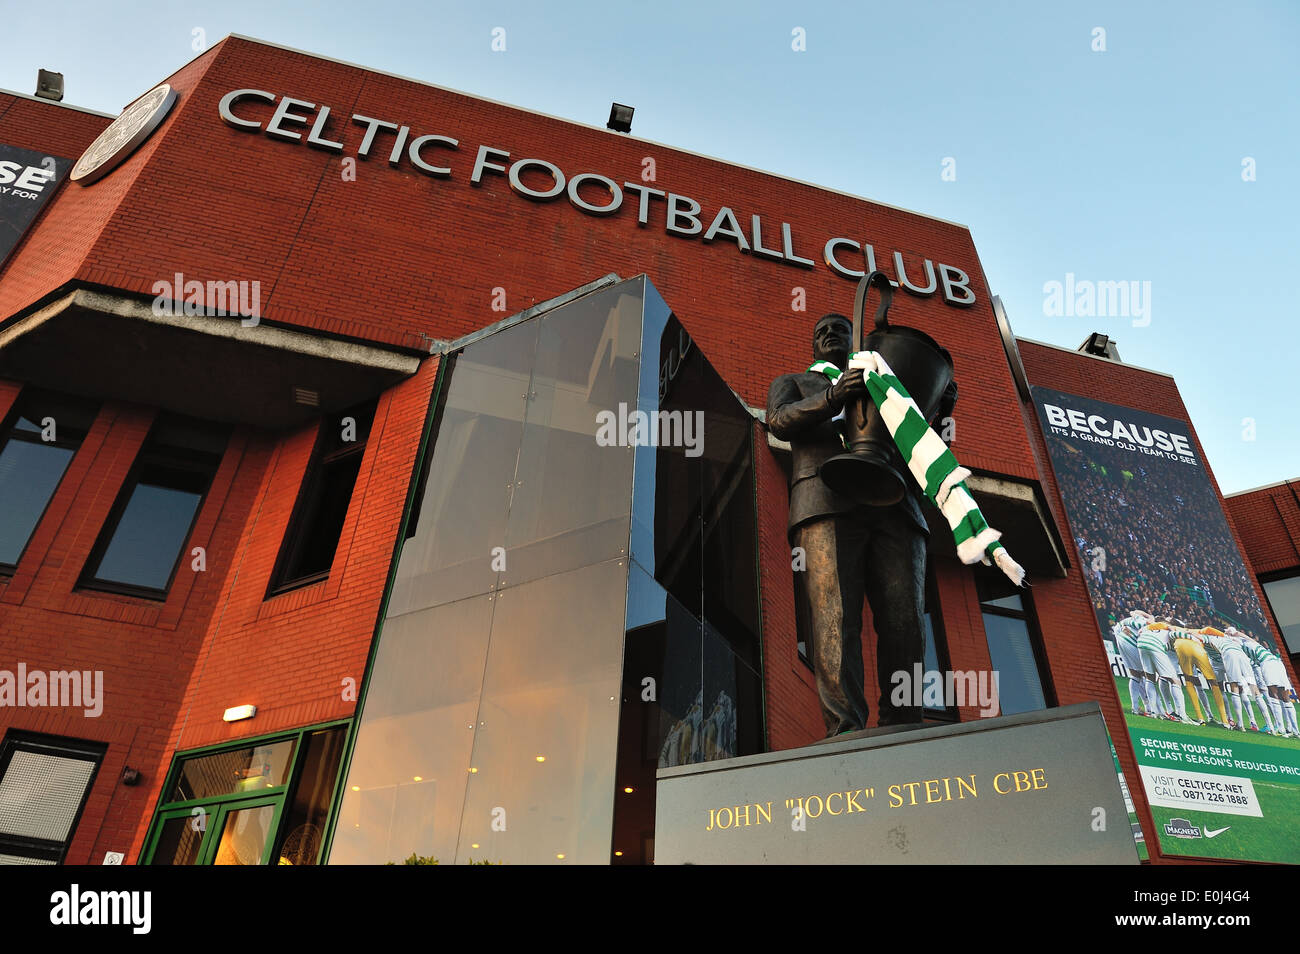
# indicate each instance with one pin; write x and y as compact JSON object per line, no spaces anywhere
{"x":851,"y":550}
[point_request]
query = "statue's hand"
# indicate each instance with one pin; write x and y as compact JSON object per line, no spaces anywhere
{"x":848,"y":385}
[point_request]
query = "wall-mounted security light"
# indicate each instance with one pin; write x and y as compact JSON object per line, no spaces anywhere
{"x":236,"y":713}
{"x":1101,"y":346}
{"x":620,"y":118}
{"x":49,"y":85}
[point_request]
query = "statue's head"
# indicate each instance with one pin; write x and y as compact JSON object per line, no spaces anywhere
{"x":832,"y":338}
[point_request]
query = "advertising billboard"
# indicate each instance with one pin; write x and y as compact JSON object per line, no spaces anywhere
{"x":28,"y":180}
{"x":1207,"y":700}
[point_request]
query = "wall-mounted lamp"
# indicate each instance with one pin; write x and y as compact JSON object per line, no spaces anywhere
{"x":620,"y":118}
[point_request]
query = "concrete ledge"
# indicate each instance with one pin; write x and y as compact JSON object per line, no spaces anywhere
{"x":114,"y":347}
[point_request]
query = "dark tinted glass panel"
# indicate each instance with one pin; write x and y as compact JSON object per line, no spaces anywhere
{"x":664,"y":646}
{"x":932,"y":663}
{"x":729,"y":557}
{"x":731,"y":714}
{"x":322,"y":508}
{"x":178,"y":843}
{"x":996,"y":590}
{"x":663,"y":673}
{"x":149,"y":535}
{"x":326,"y":513}
{"x":668,"y":522}
{"x":237,"y":772}
{"x":303,"y":827}
{"x":694,"y":513}
{"x":43,"y":433}
{"x":29,"y":475}
{"x":1012,"y":654}
{"x":936,"y":650}
{"x":141,"y":544}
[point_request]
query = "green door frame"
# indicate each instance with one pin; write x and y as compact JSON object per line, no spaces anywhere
{"x":212,"y":839}
{"x":216,"y":807}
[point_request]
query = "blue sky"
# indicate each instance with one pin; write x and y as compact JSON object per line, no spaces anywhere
{"x":1122,"y":164}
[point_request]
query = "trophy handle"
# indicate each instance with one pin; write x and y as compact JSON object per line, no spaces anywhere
{"x":880,"y":280}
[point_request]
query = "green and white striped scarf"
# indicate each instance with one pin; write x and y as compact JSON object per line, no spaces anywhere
{"x":931,"y":462}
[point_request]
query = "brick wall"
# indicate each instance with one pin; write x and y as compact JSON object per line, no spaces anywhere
{"x":216,"y":203}
{"x":171,"y":668}
{"x":1268,"y":520}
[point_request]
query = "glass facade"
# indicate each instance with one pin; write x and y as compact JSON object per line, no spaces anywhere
{"x":490,"y":728}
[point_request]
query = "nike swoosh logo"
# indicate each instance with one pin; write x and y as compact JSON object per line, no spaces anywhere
{"x":1217,"y":831}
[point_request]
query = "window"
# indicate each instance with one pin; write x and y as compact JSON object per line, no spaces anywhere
{"x":322,"y":507}
{"x":253,"y":804}
{"x":141,"y":544}
{"x":40,"y":437}
{"x":1023,"y":681}
{"x":1284,"y":598}
{"x":936,"y":645}
{"x":44,"y":781}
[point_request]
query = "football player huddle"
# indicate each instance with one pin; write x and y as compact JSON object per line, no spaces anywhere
{"x":1162,"y":656}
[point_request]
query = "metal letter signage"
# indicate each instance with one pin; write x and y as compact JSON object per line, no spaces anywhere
{"x":123,"y":135}
{"x":539,"y":180}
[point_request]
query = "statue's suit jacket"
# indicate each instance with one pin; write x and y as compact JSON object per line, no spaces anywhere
{"x":799,"y":411}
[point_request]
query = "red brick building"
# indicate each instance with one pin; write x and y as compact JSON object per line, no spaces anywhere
{"x":1269,"y":521}
{"x":375,"y":227}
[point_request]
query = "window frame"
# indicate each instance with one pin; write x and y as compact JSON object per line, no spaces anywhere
{"x":9,"y":432}
{"x":948,"y":714}
{"x":310,"y":487}
{"x":15,"y":740}
{"x":146,"y":456}
{"x":1028,"y":614}
{"x":216,"y":807}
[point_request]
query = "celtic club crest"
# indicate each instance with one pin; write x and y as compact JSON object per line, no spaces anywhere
{"x":123,"y":135}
